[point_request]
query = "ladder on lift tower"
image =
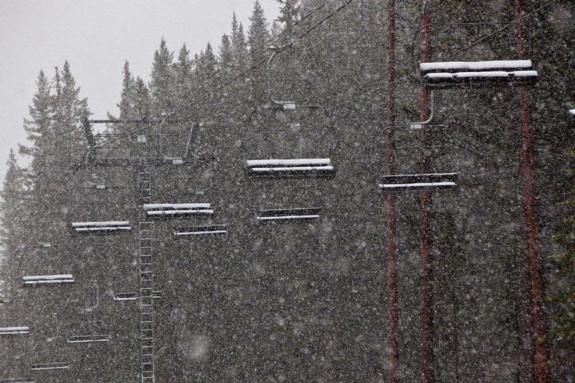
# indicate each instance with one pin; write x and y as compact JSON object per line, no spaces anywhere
{"x":146,"y":279}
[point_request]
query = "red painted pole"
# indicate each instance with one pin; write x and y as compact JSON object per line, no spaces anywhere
{"x":538,"y":328}
{"x":426,"y":288}
{"x":391,"y":248}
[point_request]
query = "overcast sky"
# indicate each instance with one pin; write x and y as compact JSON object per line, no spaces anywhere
{"x":96,"y":37}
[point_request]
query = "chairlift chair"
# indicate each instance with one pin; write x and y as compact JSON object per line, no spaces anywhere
{"x":441,"y":75}
{"x":48,"y":280}
{"x":50,"y":366}
{"x":429,"y":181}
{"x":302,"y":167}
{"x":171,"y":210}
{"x":285,"y":215}
{"x":125,"y":296}
{"x":194,"y":231}
{"x":89,"y":339}
{"x":102,"y":227}
{"x":18,"y":330}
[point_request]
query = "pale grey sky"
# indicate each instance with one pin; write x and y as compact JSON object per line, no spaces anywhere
{"x":96,"y":37}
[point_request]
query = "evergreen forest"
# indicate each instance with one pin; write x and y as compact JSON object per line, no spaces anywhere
{"x":322,"y":275}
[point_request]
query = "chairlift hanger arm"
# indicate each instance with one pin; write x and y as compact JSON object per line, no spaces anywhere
{"x":275,"y":52}
{"x":431,"y":112}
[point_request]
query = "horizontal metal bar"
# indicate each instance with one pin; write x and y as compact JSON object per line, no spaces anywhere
{"x":89,"y":339}
{"x":50,"y":366}
{"x":20,"y":330}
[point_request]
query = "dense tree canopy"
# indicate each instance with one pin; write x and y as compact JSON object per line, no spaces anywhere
{"x":212,"y":107}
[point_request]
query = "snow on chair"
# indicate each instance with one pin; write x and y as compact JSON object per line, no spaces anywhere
{"x":169,"y":210}
{"x":101,"y":227}
{"x":89,"y":339}
{"x":418,"y":181}
{"x":125,"y":296}
{"x":37,"y":280}
{"x":305,"y":214}
{"x":290,"y":167}
{"x":20,"y":330}
{"x":50,"y":366}
{"x":200,"y":230}
{"x":438,"y":75}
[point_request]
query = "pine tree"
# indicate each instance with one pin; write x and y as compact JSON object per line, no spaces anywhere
{"x":207,"y":77}
{"x":258,"y":37}
{"x":226,"y":58}
{"x":142,"y":100}
{"x":163,"y":80}
{"x":14,"y":216}
{"x":289,"y":15}
{"x":126,"y":104}
{"x":40,"y":114}
{"x":183,"y":78}
{"x":239,"y":47}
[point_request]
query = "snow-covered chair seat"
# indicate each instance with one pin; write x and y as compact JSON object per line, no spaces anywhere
{"x":299,"y":214}
{"x":427,"y":181}
{"x":19,"y":330}
{"x":57,"y":279}
{"x":101,"y":227}
{"x":194,"y":231}
{"x":438,"y":75}
{"x":50,"y":366}
{"x":290,"y":167}
{"x":89,"y":339}
{"x":168,"y":210}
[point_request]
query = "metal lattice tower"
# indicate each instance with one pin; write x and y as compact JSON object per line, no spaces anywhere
{"x":146,"y":277}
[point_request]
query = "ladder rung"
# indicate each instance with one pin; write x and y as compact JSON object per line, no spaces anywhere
{"x":148,"y":334}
